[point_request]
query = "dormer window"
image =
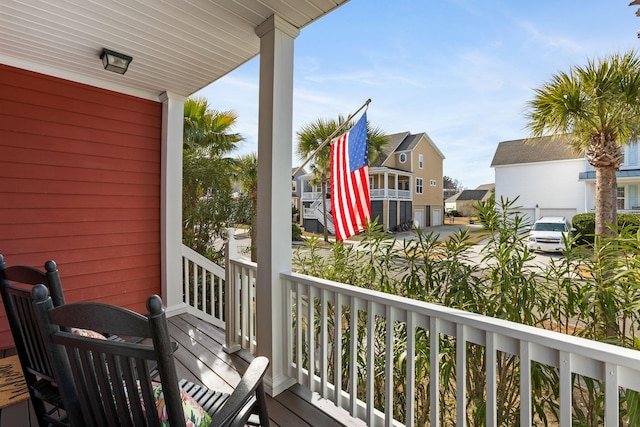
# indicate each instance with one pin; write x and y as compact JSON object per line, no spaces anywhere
{"x":403,"y":157}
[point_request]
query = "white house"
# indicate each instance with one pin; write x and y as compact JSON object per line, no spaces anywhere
{"x":543,"y":175}
{"x":550,"y":179}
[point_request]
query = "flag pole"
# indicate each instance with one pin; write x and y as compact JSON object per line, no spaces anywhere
{"x":328,"y":140}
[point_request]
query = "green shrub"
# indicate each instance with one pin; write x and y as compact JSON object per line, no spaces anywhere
{"x":585,"y":224}
{"x":296,"y":232}
{"x":629,"y":220}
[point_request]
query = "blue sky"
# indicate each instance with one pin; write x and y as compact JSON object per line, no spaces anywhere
{"x":460,"y":70}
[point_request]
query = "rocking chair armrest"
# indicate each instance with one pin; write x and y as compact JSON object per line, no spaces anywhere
{"x":243,"y":400}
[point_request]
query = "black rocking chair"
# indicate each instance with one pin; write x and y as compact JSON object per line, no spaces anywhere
{"x":16,"y":283}
{"x":110,"y":382}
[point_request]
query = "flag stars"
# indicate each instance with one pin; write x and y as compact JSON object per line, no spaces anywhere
{"x":358,"y":156}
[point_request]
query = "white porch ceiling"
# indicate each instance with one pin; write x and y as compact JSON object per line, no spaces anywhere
{"x":177,"y":46}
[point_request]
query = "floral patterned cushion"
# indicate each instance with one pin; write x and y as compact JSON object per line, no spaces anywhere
{"x":194,"y":415}
{"x":88,"y":333}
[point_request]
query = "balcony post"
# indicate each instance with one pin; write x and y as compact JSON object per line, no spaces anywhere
{"x":231,"y":304}
{"x":386,"y":185}
{"x":171,"y":191}
{"x":275,"y":124}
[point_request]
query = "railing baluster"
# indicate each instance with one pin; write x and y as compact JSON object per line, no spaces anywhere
{"x":371,"y":348}
{"x":411,"y":370}
{"x":565,"y":389}
{"x":185,"y":279}
{"x":237,"y":290}
{"x":251,"y":310}
{"x":389,"y":363}
{"x":299,"y":330}
{"x":353,"y":357}
{"x":461,"y":376}
{"x":244,"y":304}
{"x":434,"y":374}
{"x":492,"y":383}
{"x":311,"y":343}
{"x":288,"y":339}
{"x":612,"y":400}
{"x":526,"y":413}
{"x":337,"y":352}
{"x":220,"y":293}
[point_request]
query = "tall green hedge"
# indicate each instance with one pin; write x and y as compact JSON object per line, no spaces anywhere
{"x":585,"y":224}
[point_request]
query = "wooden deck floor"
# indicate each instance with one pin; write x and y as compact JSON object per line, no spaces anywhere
{"x":200,"y":359}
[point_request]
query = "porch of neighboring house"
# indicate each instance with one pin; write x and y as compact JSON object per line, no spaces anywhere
{"x":385,"y":187}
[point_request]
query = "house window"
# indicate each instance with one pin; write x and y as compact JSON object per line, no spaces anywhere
{"x":418,"y":185}
{"x":294,"y":186}
{"x":433,"y":183}
{"x":620,"y":200}
{"x":631,"y":154}
{"x":420,"y":160}
{"x":403,"y":157}
{"x":370,"y":182}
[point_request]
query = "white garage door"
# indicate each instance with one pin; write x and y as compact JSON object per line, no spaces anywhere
{"x":529,"y":214}
{"x":437,"y":217}
{"x":567,"y":213}
{"x":418,"y":218}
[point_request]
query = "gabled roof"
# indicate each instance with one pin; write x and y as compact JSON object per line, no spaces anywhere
{"x":534,"y":150}
{"x":403,"y":141}
{"x":300,"y":173}
{"x":491,"y":186}
{"x":473,"y":195}
{"x":393,"y":141}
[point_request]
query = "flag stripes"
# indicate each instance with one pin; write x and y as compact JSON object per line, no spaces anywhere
{"x":350,"y":201}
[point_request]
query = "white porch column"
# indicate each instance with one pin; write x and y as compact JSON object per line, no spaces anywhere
{"x":275,"y":125}
{"x":171,"y":200}
{"x":386,"y":185}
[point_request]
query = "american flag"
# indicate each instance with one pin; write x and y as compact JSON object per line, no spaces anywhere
{"x":350,"y":203}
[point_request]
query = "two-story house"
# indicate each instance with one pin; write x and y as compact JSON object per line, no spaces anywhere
{"x":549,"y":179}
{"x":405,"y":186}
{"x":628,"y":178}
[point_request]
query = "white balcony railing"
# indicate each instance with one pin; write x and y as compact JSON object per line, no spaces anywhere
{"x":389,"y":193}
{"x":374,"y":193}
{"x":319,"y":357}
{"x":310,"y":195}
{"x":203,"y":287}
{"x":325,"y":304}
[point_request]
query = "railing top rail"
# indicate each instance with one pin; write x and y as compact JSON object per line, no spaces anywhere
{"x":591,"y":349}
{"x":244,"y":262}
{"x":201,"y":260}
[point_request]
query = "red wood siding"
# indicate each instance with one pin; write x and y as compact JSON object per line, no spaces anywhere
{"x":80,"y":184}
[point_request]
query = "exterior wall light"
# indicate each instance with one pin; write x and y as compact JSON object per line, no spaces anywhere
{"x":114,"y":61}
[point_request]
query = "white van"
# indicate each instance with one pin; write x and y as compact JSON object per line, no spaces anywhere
{"x":547,"y":233}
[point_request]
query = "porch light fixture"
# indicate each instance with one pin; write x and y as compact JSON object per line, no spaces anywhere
{"x":114,"y":61}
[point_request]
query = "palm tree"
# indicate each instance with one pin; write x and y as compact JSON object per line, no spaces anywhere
{"x":207,"y":186}
{"x":312,"y":135}
{"x":598,"y":107}
{"x":247,"y":176}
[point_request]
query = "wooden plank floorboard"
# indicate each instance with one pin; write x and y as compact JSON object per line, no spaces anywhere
{"x":200,"y":358}
{"x":202,"y":355}
{"x":197,"y":356}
